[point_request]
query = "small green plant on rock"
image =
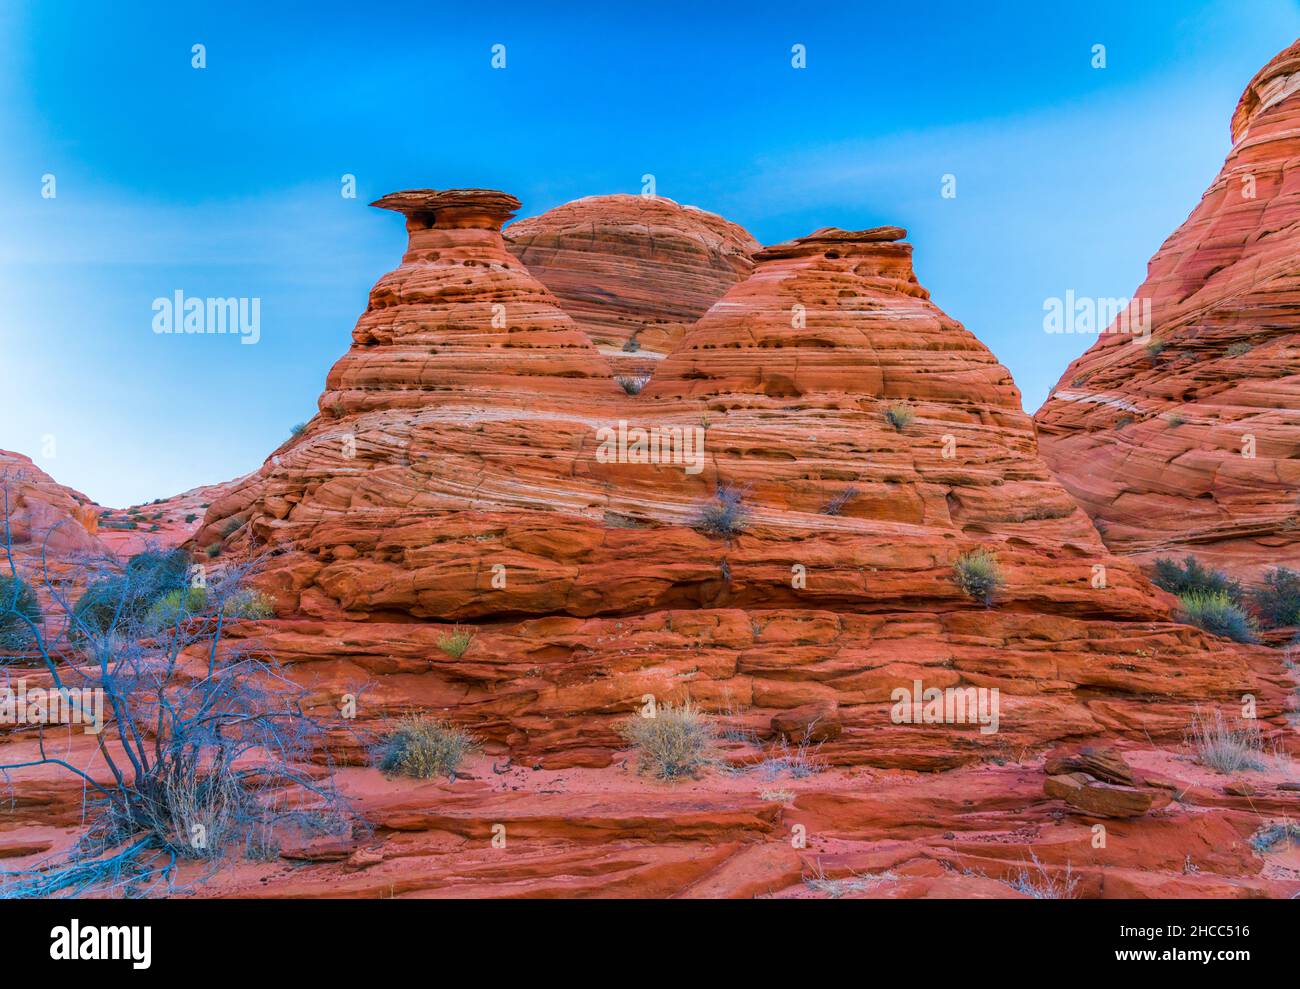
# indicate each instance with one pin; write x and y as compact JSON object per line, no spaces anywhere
{"x":899,"y":416}
{"x":455,"y":642}
{"x":977,"y":573}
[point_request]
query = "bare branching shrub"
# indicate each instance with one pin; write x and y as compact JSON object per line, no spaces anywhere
{"x":678,"y":741}
{"x":205,"y":748}
{"x":726,"y":515}
{"x":899,"y":416}
{"x":632,"y":383}
{"x":977,"y":573}
{"x":799,"y":762}
{"x":425,"y":747}
{"x":1229,"y":748}
{"x":839,"y":501}
{"x":455,"y":642}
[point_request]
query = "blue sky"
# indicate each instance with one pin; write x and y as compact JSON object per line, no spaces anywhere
{"x":224,"y":181}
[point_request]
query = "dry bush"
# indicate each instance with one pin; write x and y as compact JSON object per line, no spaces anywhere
{"x":425,"y":747}
{"x":678,"y":741}
{"x":1225,"y":747}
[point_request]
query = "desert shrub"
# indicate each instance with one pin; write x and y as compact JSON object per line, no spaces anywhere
{"x":726,"y":515}
{"x":113,"y":600}
{"x":1278,"y":601}
{"x":190,"y":518}
{"x":424,"y":747}
{"x":1175,"y":420}
{"x":632,"y":383}
{"x":1225,"y":747}
{"x":181,"y":605}
{"x":799,"y":762}
{"x":839,"y":501}
{"x":298,"y":429}
{"x":455,"y":642}
{"x":1215,"y":612}
{"x":1193,"y":577}
{"x":632,"y":345}
{"x":1238,"y":349}
{"x":200,"y":758}
{"x":899,"y":415}
{"x":250,"y":604}
{"x":977,"y":573}
{"x":1266,"y":837}
{"x":1155,"y":348}
{"x":213,"y":551}
{"x":1039,"y":883}
{"x":176,"y":606}
{"x":678,"y":741}
{"x":18,"y":606}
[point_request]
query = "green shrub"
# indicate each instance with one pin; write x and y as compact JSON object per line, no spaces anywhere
{"x":213,"y":551}
{"x":977,"y":574}
{"x":678,"y":741}
{"x":424,"y":747}
{"x":250,"y":604}
{"x":299,"y":429}
{"x":1155,"y":348}
{"x":1191,"y":577}
{"x":179,"y":605}
{"x":899,"y":416}
{"x":1215,"y":612}
{"x":1278,"y":601}
{"x":17,"y":602}
{"x":119,"y":599}
{"x":190,"y":518}
{"x":456,"y":642}
{"x":176,"y":606}
{"x":1238,"y":349}
{"x":726,"y":515}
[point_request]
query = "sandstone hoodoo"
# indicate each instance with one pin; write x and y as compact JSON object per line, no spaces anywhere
{"x":634,"y":271}
{"x":871,"y":487}
{"x":1186,"y":439}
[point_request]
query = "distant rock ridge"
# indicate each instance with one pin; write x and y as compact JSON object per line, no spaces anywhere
{"x":634,"y":271}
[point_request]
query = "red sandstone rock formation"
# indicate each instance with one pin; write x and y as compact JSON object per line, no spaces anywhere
{"x":455,"y":473}
{"x":459,"y":472}
{"x":45,"y":518}
{"x":634,"y":271}
{"x":1191,"y":442}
